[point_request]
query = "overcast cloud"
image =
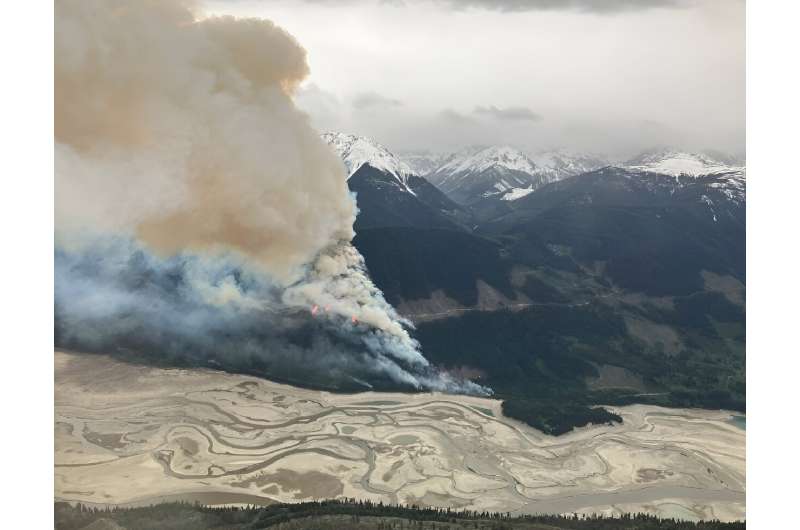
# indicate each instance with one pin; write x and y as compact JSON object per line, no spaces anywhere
{"x":368,"y":100}
{"x":510,"y":113}
{"x":595,"y":6}
{"x":613,"y":76}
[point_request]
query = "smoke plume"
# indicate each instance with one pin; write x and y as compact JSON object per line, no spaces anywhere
{"x":199,"y":217}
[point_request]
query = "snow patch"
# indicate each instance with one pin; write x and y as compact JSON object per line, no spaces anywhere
{"x":517,"y":193}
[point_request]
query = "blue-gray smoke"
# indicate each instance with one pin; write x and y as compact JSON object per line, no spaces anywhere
{"x":114,"y":296}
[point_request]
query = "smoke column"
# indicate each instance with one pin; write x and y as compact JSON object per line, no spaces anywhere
{"x":199,"y":217}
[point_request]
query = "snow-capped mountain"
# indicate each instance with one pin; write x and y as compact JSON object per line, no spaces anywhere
{"x":388,"y":192}
{"x":355,"y":151}
{"x":678,"y":163}
{"x":715,"y":182}
{"x":565,"y":163}
{"x":476,"y":160}
{"x":489,"y":172}
{"x":505,"y":173}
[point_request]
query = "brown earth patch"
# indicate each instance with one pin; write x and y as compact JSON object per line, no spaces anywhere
{"x":306,"y":485}
{"x":615,"y":377}
{"x":650,"y":475}
{"x":654,"y":335}
{"x":730,"y":287}
{"x":188,"y":446}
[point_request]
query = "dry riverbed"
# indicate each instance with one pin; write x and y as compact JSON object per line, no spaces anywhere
{"x":127,"y":434}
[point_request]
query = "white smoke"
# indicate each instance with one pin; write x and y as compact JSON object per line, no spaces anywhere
{"x":191,"y":191}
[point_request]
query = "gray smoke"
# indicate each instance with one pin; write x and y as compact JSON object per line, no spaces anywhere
{"x":199,"y":217}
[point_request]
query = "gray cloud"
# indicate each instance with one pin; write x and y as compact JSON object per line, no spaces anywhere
{"x":452,"y":116}
{"x":587,"y":6}
{"x":592,"y":6}
{"x":508,"y":113}
{"x":371,"y":100}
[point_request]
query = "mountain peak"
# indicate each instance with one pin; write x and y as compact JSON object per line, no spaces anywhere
{"x":674,"y":162}
{"x":355,"y":151}
{"x":477,"y":160}
{"x":567,"y":162}
{"x":504,"y":172}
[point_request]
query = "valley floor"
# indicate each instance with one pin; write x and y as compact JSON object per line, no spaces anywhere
{"x":134,"y":435}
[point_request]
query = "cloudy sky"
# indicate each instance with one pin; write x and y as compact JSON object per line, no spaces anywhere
{"x":610,"y":76}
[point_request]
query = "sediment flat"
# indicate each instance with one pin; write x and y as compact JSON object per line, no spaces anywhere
{"x":129,"y":435}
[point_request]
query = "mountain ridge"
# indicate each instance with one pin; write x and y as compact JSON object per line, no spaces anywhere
{"x":634,"y":270}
